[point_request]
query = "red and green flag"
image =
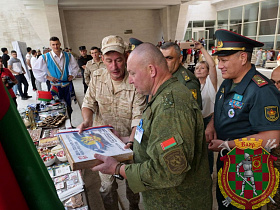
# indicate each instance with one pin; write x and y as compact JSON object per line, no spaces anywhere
{"x":168,"y":143}
{"x":25,"y":181}
{"x":54,"y":90}
{"x":44,"y":95}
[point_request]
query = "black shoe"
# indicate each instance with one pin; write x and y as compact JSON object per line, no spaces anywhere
{"x":24,"y":98}
{"x":28,"y":96}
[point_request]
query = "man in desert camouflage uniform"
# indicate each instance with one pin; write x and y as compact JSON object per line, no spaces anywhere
{"x":94,"y":64}
{"x":115,"y":102}
{"x":171,"y":166}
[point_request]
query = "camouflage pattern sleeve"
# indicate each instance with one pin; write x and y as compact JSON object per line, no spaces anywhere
{"x":90,"y":97}
{"x":138,"y":106}
{"x":169,"y":153}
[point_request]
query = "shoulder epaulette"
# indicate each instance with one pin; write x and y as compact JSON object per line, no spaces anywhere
{"x":185,"y":75}
{"x":259,"y":80}
{"x":167,"y":100}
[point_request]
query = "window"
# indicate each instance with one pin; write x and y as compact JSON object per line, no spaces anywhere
{"x":267,"y":27}
{"x":222,"y":18}
{"x":269,"y":9}
{"x":188,"y":35}
{"x":236,"y":15}
{"x":235,"y":28}
{"x":211,"y":32}
{"x":267,"y":40}
{"x":197,"y":23}
{"x":209,"y":23}
{"x":251,"y":12}
{"x":278,"y":43}
{"x":250,"y":29}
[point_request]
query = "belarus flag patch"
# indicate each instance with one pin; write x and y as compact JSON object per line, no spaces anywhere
{"x":168,"y":143}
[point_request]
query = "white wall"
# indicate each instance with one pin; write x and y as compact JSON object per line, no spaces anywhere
{"x":90,"y":27}
{"x":203,"y":11}
{"x":31,"y":25}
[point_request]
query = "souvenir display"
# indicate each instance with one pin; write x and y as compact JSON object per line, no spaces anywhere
{"x":52,"y":121}
{"x":68,"y":185}
{"x":48,"y":159}
{"x":49,"y":120}
{"x":49,"y":142}
{"x":59,"y":152}
{"x":35,"y":134}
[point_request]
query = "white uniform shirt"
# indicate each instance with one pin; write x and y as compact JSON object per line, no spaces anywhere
{"x":33,"y":61}
{"x":28,"y":57}
{"x":40,"y":68}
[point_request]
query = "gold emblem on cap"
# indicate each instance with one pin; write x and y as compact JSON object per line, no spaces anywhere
{"x":220,"y":44}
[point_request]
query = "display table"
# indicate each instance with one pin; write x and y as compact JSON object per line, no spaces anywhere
{"x":69,"y":184}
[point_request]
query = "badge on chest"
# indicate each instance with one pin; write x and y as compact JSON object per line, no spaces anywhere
{"x":235,"y":103}
{"x":139,"y":132}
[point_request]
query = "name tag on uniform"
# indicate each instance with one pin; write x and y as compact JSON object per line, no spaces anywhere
{"x":139,"y":132}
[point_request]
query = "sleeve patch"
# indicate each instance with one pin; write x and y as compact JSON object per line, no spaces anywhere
{"x":259,"y":80}
{"x":194,"y":93}
{"x":175,"y":161}
{"x":271,"y":113}
{"x":168,"y":143}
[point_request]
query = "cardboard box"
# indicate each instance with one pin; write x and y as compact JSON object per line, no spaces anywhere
{"x":80,"y":148}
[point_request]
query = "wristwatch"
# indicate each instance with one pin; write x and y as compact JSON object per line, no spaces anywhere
{"x":117,"y":172}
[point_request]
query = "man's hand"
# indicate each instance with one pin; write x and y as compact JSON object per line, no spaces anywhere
{"x":214,"y":145}
{"x":70,"y":77}
{"x":108,"y":166}
{"x":52,"y":79}
{"x":210,"y":132}
{"x":84,"y":125}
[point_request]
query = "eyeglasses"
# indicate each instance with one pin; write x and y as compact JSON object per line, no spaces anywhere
{"x":275,"y":82}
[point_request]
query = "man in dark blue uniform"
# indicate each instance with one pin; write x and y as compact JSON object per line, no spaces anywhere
{"x":247,"y":103}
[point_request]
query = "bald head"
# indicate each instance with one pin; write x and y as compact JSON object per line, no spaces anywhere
{"x":147,"y":53}
{"x":275,"y":77}
{"x":147,"y":68}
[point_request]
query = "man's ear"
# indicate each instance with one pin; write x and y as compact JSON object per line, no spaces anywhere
{"x":244,"y":57}
{"x":152,"y":70}
{"x":102,"y":57}
{"x":181,"y":58}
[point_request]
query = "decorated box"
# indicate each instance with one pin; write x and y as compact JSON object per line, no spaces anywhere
{"x":80,"y":148}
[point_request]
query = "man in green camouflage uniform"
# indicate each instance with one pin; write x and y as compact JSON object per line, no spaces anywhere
{"x":172,"y":54}
{"x":171,"y":165}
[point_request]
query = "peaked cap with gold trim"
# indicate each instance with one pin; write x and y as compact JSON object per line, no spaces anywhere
{"x":229,"y":42}
{"x":134,"y":42}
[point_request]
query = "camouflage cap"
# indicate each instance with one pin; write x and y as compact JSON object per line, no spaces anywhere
{"x":113,"y":43}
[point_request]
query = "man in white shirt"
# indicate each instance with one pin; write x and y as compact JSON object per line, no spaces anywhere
{"x":14,"y":65}
{"x":59,"y":68}
{"x":32,"y":62}
{"x":28,"y":63}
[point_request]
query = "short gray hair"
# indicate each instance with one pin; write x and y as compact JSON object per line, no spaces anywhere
{"x":167,"y":45}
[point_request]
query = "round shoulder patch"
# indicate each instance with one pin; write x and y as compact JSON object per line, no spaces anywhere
{"x":175,"y":161}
